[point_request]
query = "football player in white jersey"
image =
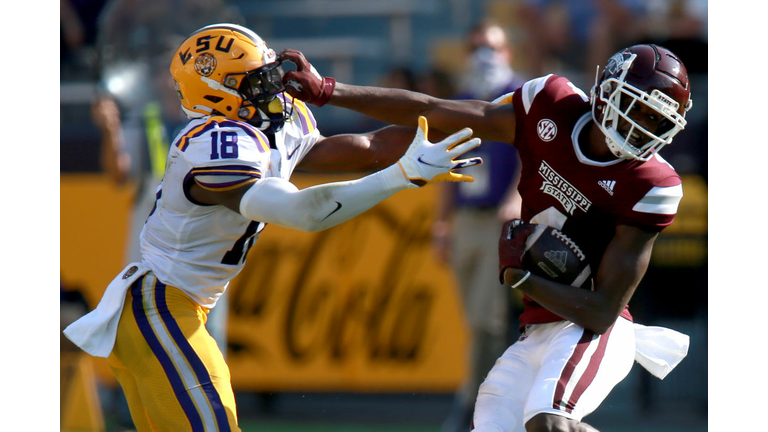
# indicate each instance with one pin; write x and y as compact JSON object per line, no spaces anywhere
{"x":590,"y":167}
{"x":226,"y":178}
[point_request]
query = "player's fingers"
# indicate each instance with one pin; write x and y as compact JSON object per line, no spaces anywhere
{"x":524,"y":230}
{"x":456,"y":177}
{"x":294,"y":56}
{"x":290,"y":54}
{"x":461,"y":148}
{"x":290,"y":75}
{"x":466,"y":163}
{"x":421,"y":133}
{"x":423,"y":129}
{"x":457,"y":138}
{"x":506,"y":229}
{"x":453,"y":177}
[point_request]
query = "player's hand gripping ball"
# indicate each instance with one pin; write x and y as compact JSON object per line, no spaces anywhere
{"x":512,"y":245}
{"x":550,"y":254}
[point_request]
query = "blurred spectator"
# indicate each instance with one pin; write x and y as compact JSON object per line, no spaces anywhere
{"x":438,"y":83}
{"x":574,"y":36}
{"x":470,"y":216}
{"x":488,"y":72}
{"x":400,"y":77}
{"x":78,"y":37}
{"x":148,"y":29}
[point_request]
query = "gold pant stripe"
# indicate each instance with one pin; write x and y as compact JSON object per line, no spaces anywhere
{"x":186,"y":372}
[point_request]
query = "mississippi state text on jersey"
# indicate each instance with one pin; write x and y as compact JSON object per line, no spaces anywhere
{"x":585,"y":199}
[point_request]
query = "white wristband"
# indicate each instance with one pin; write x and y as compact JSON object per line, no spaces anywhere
{"x":518,"y":283}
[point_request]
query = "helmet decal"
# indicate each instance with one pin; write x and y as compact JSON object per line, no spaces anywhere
{"x":616,"y":62}
{"x":185,"y":56}
{"x":227,"y":69}
{"x":205,"y":64}
{"x":250,"y":34}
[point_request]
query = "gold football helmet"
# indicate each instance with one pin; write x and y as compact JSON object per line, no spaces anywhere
{"x":227,"y":69}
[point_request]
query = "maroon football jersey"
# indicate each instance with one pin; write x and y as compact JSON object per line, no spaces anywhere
{"x":586,"y":199}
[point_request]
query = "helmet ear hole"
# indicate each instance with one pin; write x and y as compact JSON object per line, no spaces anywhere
{"x":244,"y":113}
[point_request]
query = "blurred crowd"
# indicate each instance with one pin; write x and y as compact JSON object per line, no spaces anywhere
{"x":548,"y":35}
{"x":119,"y":43}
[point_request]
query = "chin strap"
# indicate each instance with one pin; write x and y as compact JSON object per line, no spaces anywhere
{"x":278,"y":111}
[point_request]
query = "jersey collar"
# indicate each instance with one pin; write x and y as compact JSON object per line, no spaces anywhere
{"x":586,"y":118}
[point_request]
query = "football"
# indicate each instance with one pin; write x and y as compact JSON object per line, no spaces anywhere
{"x":551,"y":254}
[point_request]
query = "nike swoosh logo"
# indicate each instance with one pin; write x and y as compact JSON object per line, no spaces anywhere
{"x":290,"y":155}
{"x":338,"y":207}
{"x":430,"y":164}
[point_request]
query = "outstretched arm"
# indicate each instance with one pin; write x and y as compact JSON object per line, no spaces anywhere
{"x":359,"y":152}
{"x":489,"y":121}
{"x":277,"y":201}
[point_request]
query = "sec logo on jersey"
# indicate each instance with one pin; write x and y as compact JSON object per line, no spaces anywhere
{"x":547,"y":129}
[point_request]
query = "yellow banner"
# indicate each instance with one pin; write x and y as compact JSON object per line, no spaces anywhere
{"x":363,"y":306}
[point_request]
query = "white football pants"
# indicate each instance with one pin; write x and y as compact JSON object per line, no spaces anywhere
{"x":558,"y":368}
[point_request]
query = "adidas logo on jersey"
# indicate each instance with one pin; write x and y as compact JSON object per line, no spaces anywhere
{"x":607,"y":185}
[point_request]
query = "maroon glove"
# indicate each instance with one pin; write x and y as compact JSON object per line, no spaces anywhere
{"x":305,"y":83}
{"x":514,"y":233}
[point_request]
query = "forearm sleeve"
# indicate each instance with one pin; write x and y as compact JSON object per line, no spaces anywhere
{"x":278,"y":201}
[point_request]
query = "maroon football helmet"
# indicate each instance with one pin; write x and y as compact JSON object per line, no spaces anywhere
{"x":642,"y":74}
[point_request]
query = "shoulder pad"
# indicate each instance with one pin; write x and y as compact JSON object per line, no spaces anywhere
{"x":530,"y":89}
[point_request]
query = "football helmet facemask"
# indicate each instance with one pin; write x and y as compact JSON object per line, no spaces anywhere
{"x":227,"y":69}
{"x":646,"y":78}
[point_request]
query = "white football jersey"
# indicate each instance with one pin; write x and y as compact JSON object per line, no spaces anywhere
{"x":199,"y":248}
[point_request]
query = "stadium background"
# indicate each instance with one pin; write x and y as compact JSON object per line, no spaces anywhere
{"x":372,"y":338}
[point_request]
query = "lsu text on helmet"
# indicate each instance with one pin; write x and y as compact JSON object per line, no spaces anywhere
{"x":642,"y":77}
{"x":228,"y":70}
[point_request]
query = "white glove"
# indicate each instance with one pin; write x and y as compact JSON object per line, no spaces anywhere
{"x":426,"y":162}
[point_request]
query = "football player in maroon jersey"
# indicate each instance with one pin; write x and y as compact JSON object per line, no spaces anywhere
{"x":591,"y":168}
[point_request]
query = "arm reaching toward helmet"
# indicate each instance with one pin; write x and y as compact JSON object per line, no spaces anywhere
{"x":489,"y":121}
{"x":278,"y":201}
